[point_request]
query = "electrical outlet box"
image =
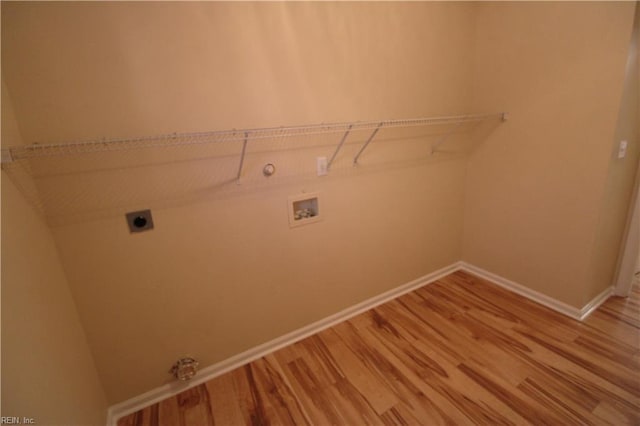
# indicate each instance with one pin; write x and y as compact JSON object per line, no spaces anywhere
{"x":304,"y":209}
{"x":139,"y":221}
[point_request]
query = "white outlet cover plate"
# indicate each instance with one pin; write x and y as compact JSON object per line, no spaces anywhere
{"x":321,"y":165}
{"x":622,"y":149}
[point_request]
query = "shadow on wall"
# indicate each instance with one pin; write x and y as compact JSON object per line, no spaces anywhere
{"x":80,"y":187}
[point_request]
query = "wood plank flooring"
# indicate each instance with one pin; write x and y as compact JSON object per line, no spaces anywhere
{"x":458,"y":351}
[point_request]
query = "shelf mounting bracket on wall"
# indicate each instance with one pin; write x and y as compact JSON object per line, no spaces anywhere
{"x":339,"y":147}
{"x":355,"y":159}
{"x":244,"y":150}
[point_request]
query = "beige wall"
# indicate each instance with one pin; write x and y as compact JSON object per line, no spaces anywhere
{"x":535,"y":187}
{"x":94,"y":69}
{"x":223,"y":273}
{"x":48,"y":373}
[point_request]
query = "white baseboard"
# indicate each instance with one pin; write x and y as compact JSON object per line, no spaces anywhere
{"x":595,"y":303}
{"x":549,"y":302}
{"x":158,"y":394}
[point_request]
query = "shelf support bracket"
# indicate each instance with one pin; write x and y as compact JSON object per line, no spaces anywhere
{"x":244,"y":150}
{"x":373,"y":135}
{"x":339,"y":147}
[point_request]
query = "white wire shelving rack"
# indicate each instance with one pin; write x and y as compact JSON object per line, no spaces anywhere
{"x":38,"y":150}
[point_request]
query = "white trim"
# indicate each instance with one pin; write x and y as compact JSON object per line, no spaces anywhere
{"x":543,"y":299}
{"x":595,"y":303}
{"x":540,"y":298}
{"x":158,"y":394}
{"x":630,"y":248}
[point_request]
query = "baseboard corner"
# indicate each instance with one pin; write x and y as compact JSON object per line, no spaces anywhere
{"x":595,"y":303}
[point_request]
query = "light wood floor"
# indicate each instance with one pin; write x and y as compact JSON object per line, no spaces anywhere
{"x":458,"y":351}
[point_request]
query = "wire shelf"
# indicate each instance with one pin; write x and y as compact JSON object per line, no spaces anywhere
{"x":85,"y":180}
{"x":38,"y":150}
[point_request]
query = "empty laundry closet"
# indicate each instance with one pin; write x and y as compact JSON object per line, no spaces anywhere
{"x":215,"y":181}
